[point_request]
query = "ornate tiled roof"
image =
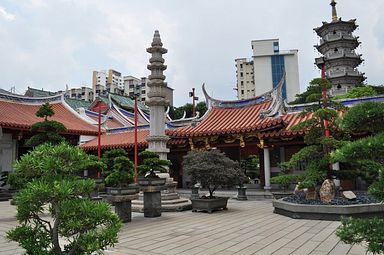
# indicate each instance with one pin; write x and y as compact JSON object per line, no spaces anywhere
{"x":16,"y":115}
{"x":220,"y":121}
{"x":77,"y":103}
{"x":123,"y":140}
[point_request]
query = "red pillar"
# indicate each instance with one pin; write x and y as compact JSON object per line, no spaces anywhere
{"x":135,"y":152}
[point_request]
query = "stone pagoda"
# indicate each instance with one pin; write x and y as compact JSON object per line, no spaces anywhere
{"x":337,"y":45}
{"x":157,"y":140}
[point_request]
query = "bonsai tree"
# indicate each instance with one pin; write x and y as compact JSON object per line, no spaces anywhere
{"x":366,"y":154}
{"x":251,"y":166}
{"x":47,"y":130}
{"x":50,"y":187}
{"x":212,"y":169}
{"x":152,"y":163}
{"x":121,"y":174}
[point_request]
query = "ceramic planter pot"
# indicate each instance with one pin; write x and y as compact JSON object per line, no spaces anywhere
{"x":209,"y":204}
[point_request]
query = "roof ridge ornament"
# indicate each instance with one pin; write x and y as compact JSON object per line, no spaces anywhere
{"x":277,"y":106}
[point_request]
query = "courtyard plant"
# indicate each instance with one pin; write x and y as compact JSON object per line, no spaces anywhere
{"x":152,"y":164}
{"x":212,"y":169}
{"x":54,"y":209}
{"x":46,"y":130}
{"x":366,"y":155}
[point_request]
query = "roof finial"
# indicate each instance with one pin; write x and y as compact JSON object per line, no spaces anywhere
{"x":334,"y":13}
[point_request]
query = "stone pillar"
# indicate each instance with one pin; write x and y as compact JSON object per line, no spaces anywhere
{"x":267,"y":169}
{"x":157,"y":140}
{"x":152,"y":204}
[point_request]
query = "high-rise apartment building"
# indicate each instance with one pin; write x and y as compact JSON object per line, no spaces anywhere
{"x":83,"y":93}
{"x":134,"y":85}
{"x":110,"y":81}
{"x":264,"y":70}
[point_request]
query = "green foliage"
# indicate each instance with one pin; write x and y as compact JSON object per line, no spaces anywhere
{"x":52,"y":188}
{"x":177,"y":112}
{"x":313,"y":92}
{"x":369,"y":148}
{"x":45,"y":111}
{"x":364,"y":118}
{"x":363,"y":91}
{"x":152,"y":163}
{"x":285,"y":180}
{"x":369,"y":231}
{"x":49,"y":161}
{"x":47,"y":130}
{"x":379,"y":89}
{"x":122,"y":172}
{"x":109,"y":156}
{"x":366,"y":155}
{"x":212,"y":169}
{"x":251,"y":166}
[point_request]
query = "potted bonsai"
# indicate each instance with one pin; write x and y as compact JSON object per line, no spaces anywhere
{"x":150,"y":183}
{"x":120,"y":177}
{"x":151,"y":165}
{"x":212,"y":169}
{"x":120,"y":191}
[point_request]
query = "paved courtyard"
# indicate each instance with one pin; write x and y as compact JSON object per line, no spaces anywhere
{"x":247,"y":227}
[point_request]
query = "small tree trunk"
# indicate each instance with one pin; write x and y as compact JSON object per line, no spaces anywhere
{"x":55,"y":230}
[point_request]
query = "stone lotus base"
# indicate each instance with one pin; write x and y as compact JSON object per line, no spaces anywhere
{"x":327,"y":212}
{"x":209,"y":204}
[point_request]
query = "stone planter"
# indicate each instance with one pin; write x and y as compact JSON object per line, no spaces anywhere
{"x":122,"y":198}
{"x":242,"y":193}
{"x":132,"y":189}
{"x":209,"y":204}
{"x":278,"y":195}
{"x":151,"y":181}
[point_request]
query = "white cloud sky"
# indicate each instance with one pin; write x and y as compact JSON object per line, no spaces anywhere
{"x":6,"y":15}
{"x":48,"y":44}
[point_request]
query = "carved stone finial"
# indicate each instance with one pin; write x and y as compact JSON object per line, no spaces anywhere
{"x":334,"y":12}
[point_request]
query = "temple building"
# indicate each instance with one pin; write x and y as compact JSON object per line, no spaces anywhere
{"x":339,"y":58}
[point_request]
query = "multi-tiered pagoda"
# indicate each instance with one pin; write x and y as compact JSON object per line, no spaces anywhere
{"x":337,"y":45}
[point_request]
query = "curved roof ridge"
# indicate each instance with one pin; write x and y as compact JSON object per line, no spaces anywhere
{"x":31,"y":100}
{"x":212,"y":102}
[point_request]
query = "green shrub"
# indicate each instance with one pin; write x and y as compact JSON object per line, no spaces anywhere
{"x":53,"y":189}
{"x":152,"y":163}
{"x":212,"y":169}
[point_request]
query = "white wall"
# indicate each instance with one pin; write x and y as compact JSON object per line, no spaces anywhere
{"x":263,"y":47}
{"x":7,"y":152}
{"x":292,"y":78}
{"x":263,"y":74}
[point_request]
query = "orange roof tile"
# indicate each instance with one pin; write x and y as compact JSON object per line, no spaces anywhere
{"x":123,"y":140}
{"x":230,"y":121}
{"x":23,"y":116}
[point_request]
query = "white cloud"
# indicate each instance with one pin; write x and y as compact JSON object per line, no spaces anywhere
{"x":6,"y":15}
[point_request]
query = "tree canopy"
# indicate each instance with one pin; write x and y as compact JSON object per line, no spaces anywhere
{"x":47,"y":131}
{"x":51,"y":188}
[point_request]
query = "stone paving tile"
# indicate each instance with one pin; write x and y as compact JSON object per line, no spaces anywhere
{"x":247,"y":227}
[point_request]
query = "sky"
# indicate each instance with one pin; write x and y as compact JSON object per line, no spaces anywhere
{"x":53,"y":43}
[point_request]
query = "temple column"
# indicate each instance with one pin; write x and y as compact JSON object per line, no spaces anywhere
{"x":267,"y":169}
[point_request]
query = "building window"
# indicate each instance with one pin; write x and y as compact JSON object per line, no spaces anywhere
{"x":242,"y":92}
{"x":275,"y":47}
{"x":242,"y":83}
{"x":241,"y":65}
{"x":278,"y":67}
{"x":241,"y":74}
